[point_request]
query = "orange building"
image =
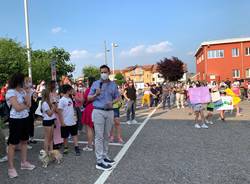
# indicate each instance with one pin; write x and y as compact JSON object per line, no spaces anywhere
{"x":223,"y":59}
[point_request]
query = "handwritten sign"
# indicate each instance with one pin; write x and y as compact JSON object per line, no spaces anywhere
{"x":226,"y":103}
{"x":199,"y":95}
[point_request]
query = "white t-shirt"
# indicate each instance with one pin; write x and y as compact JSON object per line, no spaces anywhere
{"x":66,"y":105}
{"x":45,"y":107}
{"x":20,"y":99}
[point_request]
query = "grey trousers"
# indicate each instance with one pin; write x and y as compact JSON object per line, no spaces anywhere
{"x":103,"y":122}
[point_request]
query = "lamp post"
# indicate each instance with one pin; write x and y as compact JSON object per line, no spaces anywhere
{"x":113,"y":45}
{"x":27,"y":37}
{"x":105,"y":52}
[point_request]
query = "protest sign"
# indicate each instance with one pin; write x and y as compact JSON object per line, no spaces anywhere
{"x":226,"y":103}
{"x":199,"y":95}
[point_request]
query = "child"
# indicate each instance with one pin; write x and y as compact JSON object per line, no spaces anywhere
{"x":48,"y":120}
{"x":210,"y":109}
{"x":66,"y":114}
{"x":222,"y":112}
{"x":117,"y":126}
{"x":199,"y":111}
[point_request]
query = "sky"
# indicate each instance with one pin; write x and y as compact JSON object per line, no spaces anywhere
{"x":145,"y":31}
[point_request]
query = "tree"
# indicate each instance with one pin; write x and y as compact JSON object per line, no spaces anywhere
{"x":91,"y":71}
{"x":171,"y":69}
{"x":41,"y":64}
{"x":119,"y":79}
{"x":13,"y":59}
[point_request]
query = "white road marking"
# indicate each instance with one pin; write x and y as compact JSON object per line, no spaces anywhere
{"x":125,"y":123}
{"x":104,"y":176}
{"x":82,"y":142}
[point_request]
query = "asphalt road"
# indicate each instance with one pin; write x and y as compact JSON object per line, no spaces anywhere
{"x":167,"y":150}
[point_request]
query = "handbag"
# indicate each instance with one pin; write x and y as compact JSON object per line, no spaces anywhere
{"x":38,"y":110}
{"x":215,"y":96}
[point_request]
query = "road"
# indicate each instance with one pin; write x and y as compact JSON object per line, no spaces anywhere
{"x":165,"y":148}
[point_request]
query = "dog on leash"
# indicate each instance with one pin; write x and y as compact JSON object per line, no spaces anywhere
{"x":53,"y":155}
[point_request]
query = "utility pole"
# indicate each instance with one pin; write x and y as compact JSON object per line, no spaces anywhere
{"x":27,"y":37}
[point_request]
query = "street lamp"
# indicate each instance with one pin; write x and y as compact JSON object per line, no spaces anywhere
{"x":27,"y":37}
{"x":113,"y":45}
{"x":105,"y":52}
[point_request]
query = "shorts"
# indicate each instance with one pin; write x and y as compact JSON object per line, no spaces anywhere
{"x":18,"y":130}
{"x":48,"y":123}
{"x":198,"y":107}
{"x":69,"y":130}
{"x":210,"y":109}
{"x":116,"y":113}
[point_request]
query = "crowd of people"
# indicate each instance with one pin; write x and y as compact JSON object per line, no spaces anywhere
{"x":95,"y":106}
{"x":65,"y":110}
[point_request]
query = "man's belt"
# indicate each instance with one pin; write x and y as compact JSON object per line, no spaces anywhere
{"x":103,"y":109}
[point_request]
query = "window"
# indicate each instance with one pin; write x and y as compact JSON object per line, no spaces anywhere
{"x":215,"y":54}
{"x":248,"y":73}
{"x":235,"y":52}
{"x":236,"y":73}
{"x":248,"y":51}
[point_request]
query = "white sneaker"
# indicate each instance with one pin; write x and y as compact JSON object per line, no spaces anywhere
{"x":211,"y":123}
{"x":197,"y":126}
{"x":87,"y":148}
{"x":4,"y":159}
{"x":134,"y":121}
{"x":204,"y":126}
{"x":178,"y":107}
{"x":128,"y":122}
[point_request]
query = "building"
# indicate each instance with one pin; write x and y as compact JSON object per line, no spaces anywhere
{"x":223,"y":59}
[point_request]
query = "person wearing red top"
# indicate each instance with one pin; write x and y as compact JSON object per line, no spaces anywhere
{"x":87,"y":116}
{"x":78,"y":104}
{"x":3,"y":92}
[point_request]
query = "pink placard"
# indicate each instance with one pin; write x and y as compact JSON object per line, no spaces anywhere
{"x":199,"y":95}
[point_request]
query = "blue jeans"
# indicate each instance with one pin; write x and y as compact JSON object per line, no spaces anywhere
{"x":131,"y":106}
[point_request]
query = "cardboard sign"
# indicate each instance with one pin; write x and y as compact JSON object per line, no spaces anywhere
{"x":215,"y":96}
{"x":226,"y":103}
{"x":199,"y":95}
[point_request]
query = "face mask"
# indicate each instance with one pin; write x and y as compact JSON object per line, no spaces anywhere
{"x":104,"y":76}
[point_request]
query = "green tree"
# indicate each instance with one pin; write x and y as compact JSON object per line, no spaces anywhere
{"x":171,"y":69}
{"x":13,"y":59}
{"x":91,"y":71}
{"x":41,"y":64}
{"x":119,"y":79}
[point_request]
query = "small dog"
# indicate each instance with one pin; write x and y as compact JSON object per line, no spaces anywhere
{"x":56,"y":156}
{"x":44,"y":158}
{"x":53,"y":155}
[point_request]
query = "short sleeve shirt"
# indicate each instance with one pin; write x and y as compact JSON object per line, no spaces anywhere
{"x":66,"y":105}
{"x":20,"y":99}
{"x":45,"y":107}
{"x":109,"y":92}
